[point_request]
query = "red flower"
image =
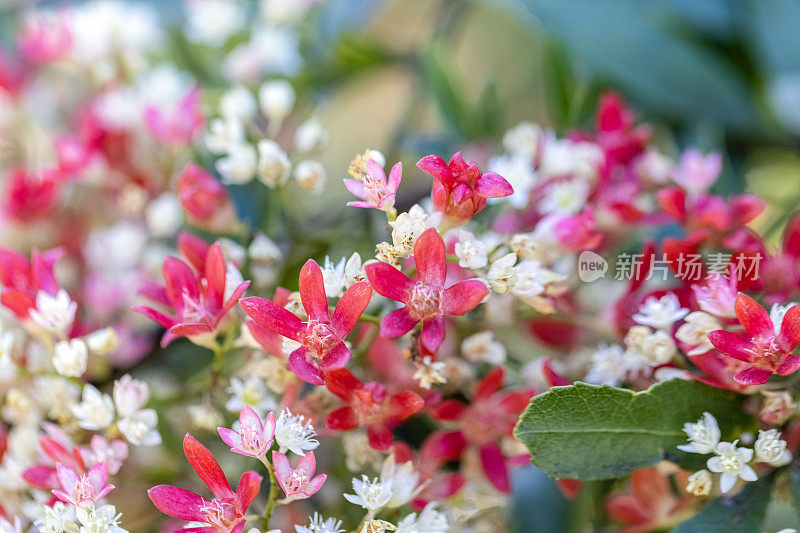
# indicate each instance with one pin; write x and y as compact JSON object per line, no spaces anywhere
{"x":30,"y":195}
{"x":226,"y":512}
{"x":206,"y":200}
{"x":491,"y":415}
{"x":651,"y":503}
{"x":21,"y":280}
{"x":321,"y":339}
{"x":766,"y":346}
{"x":426,"y":298}
{"x":459,"y":189}
{"x":369,"y":405}
{"x":198,"y":298}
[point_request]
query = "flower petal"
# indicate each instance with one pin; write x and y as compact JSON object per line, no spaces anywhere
{"x":433,"y":332}
{"x":313,"y":486}
{"x":299,"y":364}
{"x":389,"y":281}
{"x":397,"y":323}
{"x":178,"y":503}
{"x":463,"y":297}
{"x":494,"y":466}
{"x":247,"y":490}
{"x":395,"y":176}
{"x":206,"y":467}
{"x":437,"y":168}
{"x":789,"y":365}
{"x":281,"y":464}
{"x":343,"y":419}
{"x":231,"y":438}
{"x":350,"y":307}
{"x":336,"y":358}
{"x":356,"y":187}
{"x":753,"y":317}
{"x":493,"y":185}
{"x":731,"y":344}
{"x":753,"y":376}
{"x":270,"y":315}
{"x":380,"y":436}
{"x":215,"y":275}
{"x":307,"y":463}
{"x":312,"y":291}
{"x":789,"y":336}
{"x":430,"y":258}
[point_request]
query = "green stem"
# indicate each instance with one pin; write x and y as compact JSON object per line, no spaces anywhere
{"x":273,"y":493}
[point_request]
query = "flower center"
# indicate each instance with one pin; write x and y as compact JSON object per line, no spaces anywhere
{"x":252,"y":440}
{"x":425,"y":301}
{"x":296,"y":481}
{"x":195,"y":311}
{"x":731,"y":464}
{"x":374,"y":190}
{"x":219,"y":513}
{"x":319,"y":338}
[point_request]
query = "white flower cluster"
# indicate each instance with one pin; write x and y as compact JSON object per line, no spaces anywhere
{"x":65,"y":518}
{"x":97,"y":411}
{"x":730,"y":461}
{"x":241,"y":160}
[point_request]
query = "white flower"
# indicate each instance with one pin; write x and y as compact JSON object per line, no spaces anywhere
{"x":518,"y":171}
{"x":239,"y":166}
{"x":273,"y":164}
{"x":293,"y":432}
{"x":70,"y":357}
{"x":54,"y":313}
{"x":408,"y":226}
{"x":103,"y":519}
{"x":429,"y":372}
{"x":252,"y":392}
{"x":502,"y":275}
{"x":310,"y":136}
{"x":102,"y":341}
{"x":654,"y":167}
{"x":223,"y":133}
{"x":354,"y":270}
{"x":60,"y":518}
{"x":264,"y":250}
{"x":333,"y":277}
{"x":470,"y":251}
{"x":6,"y":526}
{"x":96,"y":410}
{"x":310,"y":175}
{"x":700,"y":483}
{"x":523,"y":140}
{"x":608,"y":365}
{"x":694,"y":331}
{"x":429,"y":520}
{"x":566,"y":197}
{"x":776,"y":314}
{"x":371,"y":495}
{"x":660,"y":313}
{"x":703,"y":435}
{"x":403,"y":480}
{"x":482,"y":347}
{"x":276,"y":99}
{"x":532,"y":279}
{"x":164,"y":215}
{"x":658,"y":348}
{"x":316,"y":524}
{"x":130,"y":395}
{"x":731,"y":462}
{"x":211,"y":22}
{"x":140,"y":428}
{"x":770,"y":448}
{"x":237,"y":102}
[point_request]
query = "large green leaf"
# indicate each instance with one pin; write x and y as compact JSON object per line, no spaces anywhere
{"x":743,"y":513}
{"x":627,"y":43}
{"x":598,"y":432}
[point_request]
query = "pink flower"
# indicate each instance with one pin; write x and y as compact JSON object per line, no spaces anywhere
{"x":374,"y":190}
{"x":205,"y":200}
{"x":254,"y":437}
{"x":426,"y":298}
{"x":226,"y":512}
{"x":765,"y":345}
{"x":369,"y":405}
{"x":322,"y":337}
{"x":718,"y":295}
{"x":179,"y":125}
{"x":578,"y":232}
{"x":196,"y":297}
{"x":697,"y":173}
{"x":22,"y":280}
{"x":30,"y":195}
{"x":82,"y":490}
{"x":298,"y":484}
{"x":459,"y":189}
{"x":56,"y":448}
{"x":101,"y":451}
{"x":44,"y":37}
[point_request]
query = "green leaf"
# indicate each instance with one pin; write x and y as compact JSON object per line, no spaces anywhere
{"x":599,"y":432}
{"x":623,"y":42}
{"x":742,"y":513}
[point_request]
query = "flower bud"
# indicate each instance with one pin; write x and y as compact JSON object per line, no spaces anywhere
{"x":70,"y":358}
